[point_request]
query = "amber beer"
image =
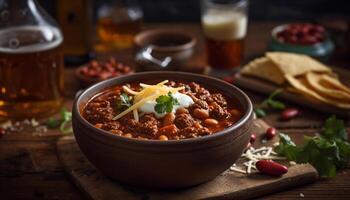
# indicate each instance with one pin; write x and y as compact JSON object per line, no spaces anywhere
{"x":117,"y":25}
{"x":224,"y":32}
{"x":31,"y":72}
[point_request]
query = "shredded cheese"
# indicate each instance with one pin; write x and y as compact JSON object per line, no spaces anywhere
{"x":130,"y":91}
{"x":252,"y":156}
{"x":148,"y":93}
{"x":135,"y":106}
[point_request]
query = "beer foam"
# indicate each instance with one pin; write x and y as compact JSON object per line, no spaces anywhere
{"x":44,"y":38}
{"x":224,"y":24}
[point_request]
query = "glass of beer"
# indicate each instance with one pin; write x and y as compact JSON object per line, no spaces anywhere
{"x":224,"y":23}
{"x":118,"y":22}
{"x":31,"y":61}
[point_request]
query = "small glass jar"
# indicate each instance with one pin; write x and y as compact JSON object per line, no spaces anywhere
{"x":31,"y":60}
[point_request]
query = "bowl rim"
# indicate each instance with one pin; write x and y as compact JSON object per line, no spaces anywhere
{"x":281,"y":27}
{"x":156,"y":32}
{"x":244,"y":119}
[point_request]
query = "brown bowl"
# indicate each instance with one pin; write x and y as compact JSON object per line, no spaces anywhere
{"x":163,"y":164}
{"x":177,"y":44}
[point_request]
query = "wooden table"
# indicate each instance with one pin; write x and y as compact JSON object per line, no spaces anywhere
{"x":29,"y":168}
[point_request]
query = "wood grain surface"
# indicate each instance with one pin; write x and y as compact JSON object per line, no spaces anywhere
{"x":226,"y":186}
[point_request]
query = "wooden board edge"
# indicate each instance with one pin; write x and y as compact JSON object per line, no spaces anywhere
{"x":266,"y":88}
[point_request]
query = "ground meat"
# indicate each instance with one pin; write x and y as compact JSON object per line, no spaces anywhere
{"x":217,"y":112}
{"x":113,"y":100}
{"x":147,"y":125}
{"x":184,"y":120}
{"x":200,"y":92}
{"x":195,"y":131}
{"x":199,"y":104}
{"x":219,"y":99}
{"x":99,"y":112}
{"x":112,"y":125}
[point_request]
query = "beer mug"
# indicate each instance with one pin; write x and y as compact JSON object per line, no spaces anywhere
{"x":224,"y":23}
{"x":31,"y":61}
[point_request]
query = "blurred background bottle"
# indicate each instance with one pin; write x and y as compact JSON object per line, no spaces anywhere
{"x":31,"y":60}
{"x":75,"y":20}
{"x":118,"y":21}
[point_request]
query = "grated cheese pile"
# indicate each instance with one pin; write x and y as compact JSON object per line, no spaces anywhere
{"x":252,"y":156}
{"x":148,"y":93}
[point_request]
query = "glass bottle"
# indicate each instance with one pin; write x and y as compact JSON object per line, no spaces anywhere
{"x":118,"y":22}
{"x":31,"y":61}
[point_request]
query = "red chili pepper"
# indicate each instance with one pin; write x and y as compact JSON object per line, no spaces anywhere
{"x":271,"y":168}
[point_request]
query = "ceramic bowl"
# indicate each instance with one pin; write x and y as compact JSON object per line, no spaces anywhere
{"x":176,"y":44}
{"x":321,"y":51}
{"x":163,"y":164}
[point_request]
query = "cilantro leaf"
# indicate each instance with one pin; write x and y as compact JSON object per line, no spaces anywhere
{"x":124,"y":101}
{"x":259,"y":112}
{"x":334,"y":128}
{"x":165,"y":103}
{"x":327,"y":153}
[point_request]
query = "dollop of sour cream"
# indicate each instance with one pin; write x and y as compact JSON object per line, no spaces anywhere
{"x":183,"y":99}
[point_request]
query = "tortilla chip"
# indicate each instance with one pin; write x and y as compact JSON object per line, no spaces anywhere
{"x":296,"y":64}
{"x":335,"y":83}
{"x":265,"y":69}
{"x":314,"y":80}
{"x":302,"y":87}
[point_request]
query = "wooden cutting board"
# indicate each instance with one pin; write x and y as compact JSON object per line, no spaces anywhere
{"x":228,"y":185}
{"x":264,"y":87}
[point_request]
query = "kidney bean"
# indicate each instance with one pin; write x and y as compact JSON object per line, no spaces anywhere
{"x":211,"y":122}
{"x":270,"y":133}
{"x":201,"y":113}
{"x":289,"y":113}
{"x":271,"y":168}
{"x":252,"y":138}
{"x":168,"y":119}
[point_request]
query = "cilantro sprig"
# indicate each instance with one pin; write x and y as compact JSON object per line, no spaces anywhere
{"x":63,"y":123}
{"x":124,"y":102}
{"x":327,"y":152}
{"x":165,"y":103}
{"x":269,"y":102}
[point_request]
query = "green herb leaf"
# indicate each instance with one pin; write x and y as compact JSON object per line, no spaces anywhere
{"x":334,"y":128}
{"x":278,"y":105}
{"x":52,"y":123}
{"x":165,"y":103}
{"x":66,"y":115}
{"x":259,"y":112}
{"x":327,"y":153}
{"x":124,"y":102}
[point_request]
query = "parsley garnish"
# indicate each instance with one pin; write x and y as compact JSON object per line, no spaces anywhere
{"x":124,"y":102}
{"x":327,"y":153}
{"x":165,"y":103}
{"x":271,"y":103}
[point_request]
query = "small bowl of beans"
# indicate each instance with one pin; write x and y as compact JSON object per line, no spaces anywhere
{"x":96,"y":71}
{"x":303,"y":38}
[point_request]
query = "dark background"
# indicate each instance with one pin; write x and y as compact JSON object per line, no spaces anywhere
{"x":259,"y":10}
